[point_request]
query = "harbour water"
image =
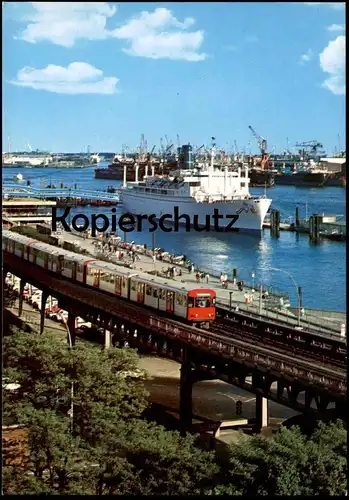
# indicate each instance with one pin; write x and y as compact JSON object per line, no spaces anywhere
{"x":319,"y":269}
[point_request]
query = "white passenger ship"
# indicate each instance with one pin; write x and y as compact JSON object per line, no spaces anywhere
{"x":198,"y":192}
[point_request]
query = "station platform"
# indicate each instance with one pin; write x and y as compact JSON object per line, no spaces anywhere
{"x":322,"y":321}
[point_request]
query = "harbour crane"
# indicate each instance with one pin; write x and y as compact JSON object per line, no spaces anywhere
{"x":199,"y":149}
{"x":261,"y":141}
{"x":150,"y":155}
{"x":168,"y":149}
{"x":312,"y":145}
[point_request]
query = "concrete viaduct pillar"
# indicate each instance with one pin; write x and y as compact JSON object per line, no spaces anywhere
{"x":44,"y":297}
{"x":21,"y":295}
{"x":185,"y":394}
{"x":262,"y":413}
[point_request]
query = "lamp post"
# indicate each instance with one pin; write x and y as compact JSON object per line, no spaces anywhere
{"x":252,"y":276}
{"x":153,"y":248}
{"x":297,"y":288}
{"x":71,"y":411}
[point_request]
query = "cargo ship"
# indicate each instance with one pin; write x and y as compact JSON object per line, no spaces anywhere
{"x":260,"y":177}
{"x":115,"y":171}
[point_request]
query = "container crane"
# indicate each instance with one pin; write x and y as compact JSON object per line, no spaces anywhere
{"x":178,"y":142}
{"x":261,"y":141}
{"x":312,"y":145}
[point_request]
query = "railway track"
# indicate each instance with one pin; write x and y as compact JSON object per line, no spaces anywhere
{"x":219,"y":340}
{"x":222,"y":327}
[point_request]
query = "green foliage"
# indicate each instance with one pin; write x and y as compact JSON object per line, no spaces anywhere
{"x":32,"y":232}
{"x":289,"y":464}
{"x":110,"y":450}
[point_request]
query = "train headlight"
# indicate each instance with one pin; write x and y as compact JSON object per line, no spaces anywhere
{"x":196,"y":315}
{"x":209,"y":315}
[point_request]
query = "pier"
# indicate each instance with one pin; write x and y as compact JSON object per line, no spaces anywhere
{"x":317,"y":226}
{"x":15,"y":190}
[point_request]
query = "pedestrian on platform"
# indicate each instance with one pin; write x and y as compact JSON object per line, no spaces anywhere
{"x":154,"y":259}
{"x":192,"y":268}
{"x":246,"y":298}
{"x":180,"y":272}
{"x":189,"y":269}
{"x":198,"y":277}
{"x":221,"y":278}
{"x":226,"y":283}
{"x":207,"y":277}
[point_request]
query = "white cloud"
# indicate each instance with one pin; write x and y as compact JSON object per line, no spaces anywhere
{"x":155,"y":35}
{"x":63,"y":23}
{"x":159,"y":35}
{"x":77,"y":78}
{"x":306,"y":57}
{"x":332,"y":61}
{"x":336,"y":27}
{"x":332,"y":5}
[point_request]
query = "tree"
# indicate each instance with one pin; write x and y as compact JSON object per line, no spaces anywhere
{"x":110,"y":449}
{"x":289,"y":464}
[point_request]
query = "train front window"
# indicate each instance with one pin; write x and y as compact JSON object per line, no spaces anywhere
{"x":190,"y":301}
{"x":203,"y":301}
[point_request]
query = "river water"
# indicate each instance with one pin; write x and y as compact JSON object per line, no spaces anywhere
{"x":319,"y":269}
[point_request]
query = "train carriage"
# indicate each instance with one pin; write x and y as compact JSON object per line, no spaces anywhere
{"x":109,"y":277}
{"x":196,"y":306}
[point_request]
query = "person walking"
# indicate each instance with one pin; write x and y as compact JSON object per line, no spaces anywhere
{"x":207,"y":277}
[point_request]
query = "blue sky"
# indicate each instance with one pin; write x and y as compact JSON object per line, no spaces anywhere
{"x":102,"y":74}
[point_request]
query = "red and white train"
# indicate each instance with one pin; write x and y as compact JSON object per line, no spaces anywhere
{"x":179,"y":300}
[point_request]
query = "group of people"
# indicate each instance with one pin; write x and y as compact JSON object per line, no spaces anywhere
{"x":201,"y":277}
{"x":171,"y":272}
{"x":224,"y":280}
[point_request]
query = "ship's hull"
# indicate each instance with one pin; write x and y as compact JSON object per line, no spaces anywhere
{"x":261,"y":178}
{"x":249,"y":213}
{"x":302,"y":179}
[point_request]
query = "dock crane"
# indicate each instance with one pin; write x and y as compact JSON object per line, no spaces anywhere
{"x":262,"y":144}
{"x":150,"y":155}
{"x":312,"y":145}
{"x":261,"y":141}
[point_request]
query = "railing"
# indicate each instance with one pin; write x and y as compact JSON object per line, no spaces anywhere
{"x":284,"y":316}
{"x":57,"y":193}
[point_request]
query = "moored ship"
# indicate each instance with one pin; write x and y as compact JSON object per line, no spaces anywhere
{"x":199,"y":194}
{"x":115,"y":171}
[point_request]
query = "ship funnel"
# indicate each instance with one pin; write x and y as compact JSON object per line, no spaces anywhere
{"x":187,"y":156}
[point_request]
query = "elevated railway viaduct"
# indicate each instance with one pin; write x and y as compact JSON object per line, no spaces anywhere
{"x":271,"y":371}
